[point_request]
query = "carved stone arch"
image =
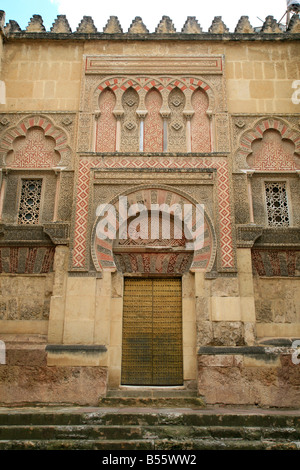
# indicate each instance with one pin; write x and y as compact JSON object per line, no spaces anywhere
{"x":48,"y":130}
{"x":113,"y":83}
{"x":153,"y":127}
{"x":204,"y":241}
{"x":105,"y":139}
{"x":200,"y":123}
{"x":258,"y":132}
{"x":189,"y":84}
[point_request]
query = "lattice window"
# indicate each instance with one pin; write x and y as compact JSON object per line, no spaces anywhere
{"x":30,"y":202}
{"x":277,"y":204}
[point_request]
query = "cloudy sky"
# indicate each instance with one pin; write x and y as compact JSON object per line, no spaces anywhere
{"x":151,"y":12}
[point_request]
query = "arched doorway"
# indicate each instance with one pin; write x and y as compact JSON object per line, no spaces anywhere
{"x":156,"y":332}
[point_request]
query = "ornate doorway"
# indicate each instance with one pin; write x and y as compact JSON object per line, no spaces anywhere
{"x":152,"y":332}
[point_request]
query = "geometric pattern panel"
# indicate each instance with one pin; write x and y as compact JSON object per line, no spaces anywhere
{"x":27,"y":260}
{"x":274,"y":263}
{"x":36,"y":150}
{"x":33,"y":151}
{"x":153,"y":130}
{"x":271,"y":153}
{"x":277,"y":204}
{"x":272,"y":150}
{"x":200,"y":126}
{"x":219,"y":163}
{"x":153,"y":263}
{"x":106,"y":125}
{"x":30,"y":201}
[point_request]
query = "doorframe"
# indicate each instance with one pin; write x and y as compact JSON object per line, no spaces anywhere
{"x":189,"y":337}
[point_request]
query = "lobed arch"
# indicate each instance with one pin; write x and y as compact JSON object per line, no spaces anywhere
{"x":163,"y":84}
{"x":257,"y":132}
{"x":202,"y":259}
{"x":20,"y":130}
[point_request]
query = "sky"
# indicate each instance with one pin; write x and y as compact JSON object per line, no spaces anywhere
{"x":150,"y":12}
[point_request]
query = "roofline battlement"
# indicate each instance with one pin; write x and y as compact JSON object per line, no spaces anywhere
{"x":270,"y":30}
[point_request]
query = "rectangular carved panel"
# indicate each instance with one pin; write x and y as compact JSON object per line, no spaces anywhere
{"x":153,"y":65}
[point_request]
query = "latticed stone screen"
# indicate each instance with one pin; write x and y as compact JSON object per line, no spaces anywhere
{"x":277,"y":204}
{"x":30,"y":202}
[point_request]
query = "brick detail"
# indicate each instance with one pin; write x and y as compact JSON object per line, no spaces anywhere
{"x":272,"y":157}
{"x":80,"y":243}
{"x":35,"y":121}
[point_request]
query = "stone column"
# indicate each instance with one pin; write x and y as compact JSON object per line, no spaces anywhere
{"x":188,"y":115}
{"x":247,"y":304}
{"x":249,"y":173}
{"x":118,"y":114}
{"x":142,"y":115}
{"x":57,"y":303}
{"x":3,"y":174}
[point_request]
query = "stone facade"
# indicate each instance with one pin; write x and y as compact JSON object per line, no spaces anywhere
{"x":183,"y":118}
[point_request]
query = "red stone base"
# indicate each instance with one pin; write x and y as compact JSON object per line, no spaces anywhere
{"x":26,"y":379}
{"x":263,"y":379}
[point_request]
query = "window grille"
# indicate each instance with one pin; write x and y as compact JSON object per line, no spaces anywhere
{"x":30,"y":202}
{"x":277,"y":204}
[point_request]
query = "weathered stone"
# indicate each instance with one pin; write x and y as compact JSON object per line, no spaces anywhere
{"x":218,"y":26}
{"x":36,"y":25}
{"x":294,"y":24}
{"x":244,"y":26}
{"x":113,"y":26}
{"x":61,"y":25}
{"x":228,"y":334}
{"x":21,"y":384}
{"x":12,"y":27}
{"x":191,"y":26}
{"x":165,"y":26}
{"x":270,"y":25}
{"x":204,"y":333}
{"x":137,"y":26}
{"x":86,"y":26}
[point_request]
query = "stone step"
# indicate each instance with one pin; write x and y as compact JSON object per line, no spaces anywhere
{"x":148,"y":429}
{"x":195,"y":444}
{"x":149,"y":417}
{"x":164,"y":392}
{"x":154,"y":402}
{"x":91,"y":432}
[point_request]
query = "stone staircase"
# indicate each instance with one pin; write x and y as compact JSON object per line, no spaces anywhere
{"x":141,"y":428}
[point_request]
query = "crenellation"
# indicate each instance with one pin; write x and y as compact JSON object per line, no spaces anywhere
{"x":36,"y":25}
{"x":113,"y":26}
{"x":191,"y":26}
{"x":12,"y":27}
{"x":165,"y":26}
{"x":218,"y":26}
{"x":294,"y":24}
{"x":270,"y":26}
{"x":137,"y":26}
{"x":86,"y":26}
{"x":244,"y":26}
{"x":61,"y":25}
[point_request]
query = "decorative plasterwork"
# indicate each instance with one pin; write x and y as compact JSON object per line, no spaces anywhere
{"x":155,"y":65}
{"x":48,"y":128}
{"x":163,"y":259}
{"x":256,"y":133}
{"x":80,"y":242}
